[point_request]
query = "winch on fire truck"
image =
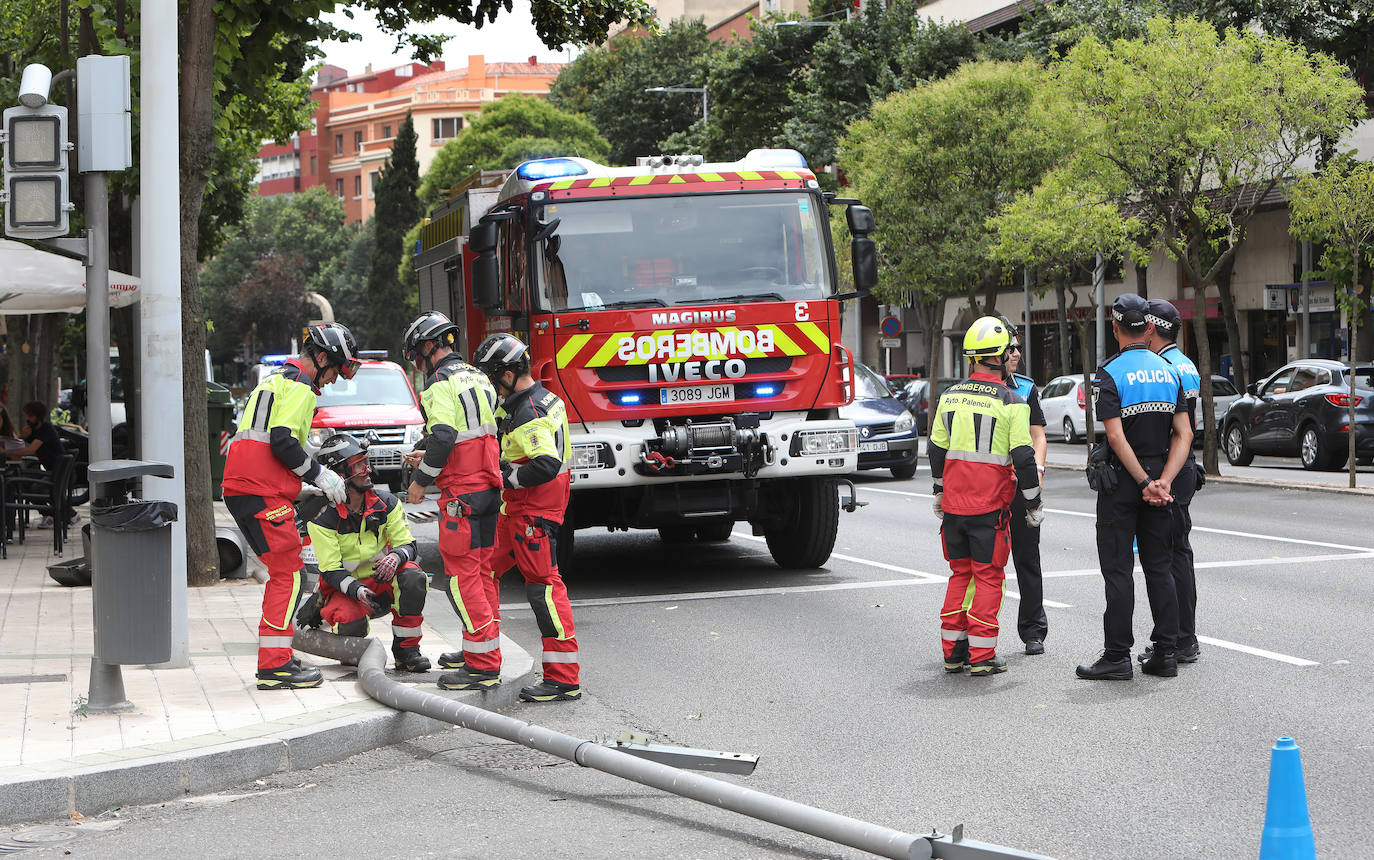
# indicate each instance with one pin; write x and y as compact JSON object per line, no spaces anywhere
{"x":688,"y":315}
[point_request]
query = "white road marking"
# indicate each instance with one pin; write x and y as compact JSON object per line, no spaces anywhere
{"x":713,"y":595}
{"x":1237,"y":562}
{"x":1258,"y":652}
{"x":1196,"y":528}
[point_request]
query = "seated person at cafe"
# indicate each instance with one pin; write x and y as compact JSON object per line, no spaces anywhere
{"x":40,"y":437}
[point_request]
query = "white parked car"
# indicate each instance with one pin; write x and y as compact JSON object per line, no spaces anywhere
{"x":1224,"y":393}
{"x":1065,"y":402}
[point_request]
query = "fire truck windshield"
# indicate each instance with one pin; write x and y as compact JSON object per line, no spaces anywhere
{"x":682,"y":250}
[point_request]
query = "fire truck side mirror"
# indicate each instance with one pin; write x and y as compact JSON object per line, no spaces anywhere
{"x":860,"y":220}
{"x":482,"y":237}
{"x":865,"y":257}
{"x":486,"y":276}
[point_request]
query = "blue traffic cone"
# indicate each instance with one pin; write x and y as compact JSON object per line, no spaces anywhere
{"x":1287,"y":827}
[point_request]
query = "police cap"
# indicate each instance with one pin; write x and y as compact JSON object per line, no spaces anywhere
{"x":1165,"y":317}
{"x":1129,"y":312}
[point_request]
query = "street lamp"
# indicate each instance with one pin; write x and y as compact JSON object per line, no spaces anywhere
{"x":701,"y":90}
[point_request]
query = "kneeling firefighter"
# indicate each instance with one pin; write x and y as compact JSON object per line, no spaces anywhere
{"x":366,"y":557}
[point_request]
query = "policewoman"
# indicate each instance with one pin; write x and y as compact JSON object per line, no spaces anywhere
{"x":1167,"y":321}
{"x":1031,"y":622}
{"x":1140,"y":404}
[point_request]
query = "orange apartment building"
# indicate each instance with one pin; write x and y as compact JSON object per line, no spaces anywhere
{"x":357,"y":117}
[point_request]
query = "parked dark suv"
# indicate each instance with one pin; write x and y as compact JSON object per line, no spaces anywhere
{"x":1303,"y":410}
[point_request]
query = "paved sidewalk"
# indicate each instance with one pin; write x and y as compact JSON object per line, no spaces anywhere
{"x":193,"y":730}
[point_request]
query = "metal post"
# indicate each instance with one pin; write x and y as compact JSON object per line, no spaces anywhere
{"x":1305,"y":331}
{"x":161,"y":417}
{"x":1026,"y":325}
{"x":703,"y":106}
{"x":1099,"y":291}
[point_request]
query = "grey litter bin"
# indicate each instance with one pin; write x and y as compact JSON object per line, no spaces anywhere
{"x":131,"y":565}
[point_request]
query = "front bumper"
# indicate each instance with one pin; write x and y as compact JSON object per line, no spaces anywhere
{"x":622,"y":452}
{"x":895,"y":451}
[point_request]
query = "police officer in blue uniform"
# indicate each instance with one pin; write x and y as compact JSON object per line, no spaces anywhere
{"x":1031,"y":623}
{"x":1167,"y":321}
{"x":1140,"y":404}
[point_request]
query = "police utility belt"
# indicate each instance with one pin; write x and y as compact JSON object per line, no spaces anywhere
{"x":1103,"y":474}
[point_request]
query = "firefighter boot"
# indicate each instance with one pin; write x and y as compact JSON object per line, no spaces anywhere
{"x":958,"y":659}
{"x":468,"y":679}
{"x":452,"y":660}
{"x":410,"y":660}
{"x":550,"y":691}
{"x":291,"y":676}
{"x":988,"y":667}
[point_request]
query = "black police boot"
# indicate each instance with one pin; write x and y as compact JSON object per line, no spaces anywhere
{"x":1107,"y":669}
{"x":292,"y":675}
{"x":468,"y":679}
{"x":956,"y":661}
{"x":410,"y":660}
{"x":452,"y":660}
{"x":1162,"y":662}
{"x":1035,"y":646}
{"x":1187,"y":654}
{"x":550,"y":691}
{"x":985,"y":668}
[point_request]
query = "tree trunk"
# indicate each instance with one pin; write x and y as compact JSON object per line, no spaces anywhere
{"x":1354,"y":327}
{"x":1142,"y":280}
{"x":197,"y":144}
{"x":20,"y":348}
{"x":935,"y":337}
{"x":1204,"y":369}
{"x":1228,"y":313}
{"x":45,"y":337}
{"x":1062,"y":320}
{"x":1085,"y":336}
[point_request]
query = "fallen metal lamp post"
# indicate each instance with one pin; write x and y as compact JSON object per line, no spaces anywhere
{"x":636,"y":762}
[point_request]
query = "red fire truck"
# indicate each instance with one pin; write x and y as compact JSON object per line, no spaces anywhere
{"x":689,"y":316}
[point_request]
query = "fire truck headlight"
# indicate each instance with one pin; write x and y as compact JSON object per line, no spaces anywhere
{"x":595,"y":455}
{"x":414,"y":433}
{"x":904,"y":422}
{"x":815,"y":443}
{"x":318,"y":435}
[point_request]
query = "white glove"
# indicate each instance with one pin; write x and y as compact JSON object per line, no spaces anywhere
{"x":939,"y":511}
{"x":333,"y":487}
{"x":1035,"y":516}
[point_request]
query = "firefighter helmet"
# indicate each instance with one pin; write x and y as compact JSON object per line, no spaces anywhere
{"x":988,"y":337}
{"x":335,"y":342}
{"x":346,"y":456}
{"x":501,"y":352}
{"x":430,"y":325}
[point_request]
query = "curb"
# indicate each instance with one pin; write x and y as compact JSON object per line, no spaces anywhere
{"x":1271,"y":483}
{"x":92,"y":784}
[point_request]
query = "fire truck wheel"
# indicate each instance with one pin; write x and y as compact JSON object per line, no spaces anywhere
{"x":715,"y":532}
{"x":807,"y":538}
{"x":677,"y":534}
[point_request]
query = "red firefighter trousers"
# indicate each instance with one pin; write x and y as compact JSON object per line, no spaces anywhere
{"x":467,"y":529}
{"x":977,"y":548}
{"x":529,"y":544}
{"x":268,"y":523}
{"x":406,"y":594}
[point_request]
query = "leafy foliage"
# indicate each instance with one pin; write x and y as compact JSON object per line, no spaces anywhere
{"x":398,"y":209}
{"x":510,"y":130}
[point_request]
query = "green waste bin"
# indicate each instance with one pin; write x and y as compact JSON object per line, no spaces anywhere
{"x":219,"y":410}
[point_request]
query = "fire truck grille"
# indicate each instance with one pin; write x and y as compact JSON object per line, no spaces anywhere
{"x":640,"y":372}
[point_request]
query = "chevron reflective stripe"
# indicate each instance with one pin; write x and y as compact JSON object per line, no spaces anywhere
{"x":818,"y":337}
{"x":634,"y":348}
{"x":982,"y":641}
{"x":475,"y":647}
{"x":953,"y":635}
{"x":572,"y":348}
{"x":560,"y":656}
{"x":786,"y":176}
{"x":274,"y":641}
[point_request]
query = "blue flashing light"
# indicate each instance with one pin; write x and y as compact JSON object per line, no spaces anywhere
{"x":276,"y":359}
{"x":372,"y":354}
{"x":765,"y":390}
{"x":776,"y":158}
{"x":629,"y":399}
{"x":549,"y":168}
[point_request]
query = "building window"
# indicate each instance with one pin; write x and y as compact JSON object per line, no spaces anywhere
{"x":372,"y":179}
{"x":338,"y":144}
{"x":313,"y":169}
{"x":446,"y":128}
{"x":358,"y":140}
{"x":386,"y":132}
{"x":338,"y":187}
{"x":358,"y":185}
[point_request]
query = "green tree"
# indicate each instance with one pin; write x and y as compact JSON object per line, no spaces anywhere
{"x":1337,"y":205}
{"x":608,"y":84}
{"x":966,"y":146}
{"x":398,"y":209}
{"x":510,"y":130}
{"x":888,"y":47}
{"x":1194,"y":128}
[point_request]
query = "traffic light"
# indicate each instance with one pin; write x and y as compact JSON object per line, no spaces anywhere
{"x":35,"y":165}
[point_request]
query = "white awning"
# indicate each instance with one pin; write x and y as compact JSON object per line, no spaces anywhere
{"x":38,"y":282}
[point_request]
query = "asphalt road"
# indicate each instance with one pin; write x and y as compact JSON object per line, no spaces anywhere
{"x":833,"y":678}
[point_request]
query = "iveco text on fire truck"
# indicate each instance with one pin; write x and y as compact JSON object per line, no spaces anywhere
{"x":688,"y":315}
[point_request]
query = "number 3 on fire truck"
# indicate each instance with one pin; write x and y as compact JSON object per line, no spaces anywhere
{"x":802,"y":313}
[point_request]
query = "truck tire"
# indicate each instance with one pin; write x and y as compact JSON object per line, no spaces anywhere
{"x":807,"y":539}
